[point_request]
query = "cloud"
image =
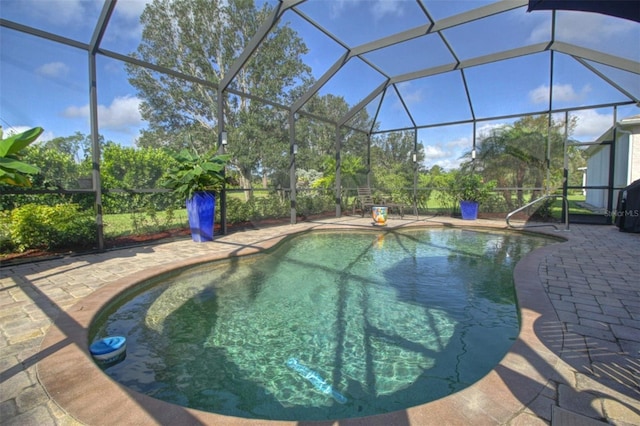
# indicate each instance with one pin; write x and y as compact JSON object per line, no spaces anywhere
{"x":410,"y":95}
{"x":129,"y":27}
{"x":131,"y":9}
{"x":53,"y":69}
{"x":561,"y":93}
{"x":433,"y":152}
{"x":582,"y":28}
{"x":591,"y":124}
{"x":445,"y":154}
{"x":380,"y":9}
{"x":121,"y":115}
{"x":590,"y":28}
{"x":66,"y":11}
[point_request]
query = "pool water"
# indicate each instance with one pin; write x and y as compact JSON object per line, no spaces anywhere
{"x":325,"y":326}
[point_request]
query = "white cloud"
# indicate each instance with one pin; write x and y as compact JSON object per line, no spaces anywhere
{"x":66,"y":11}
{"x":591,"y":124}
{"x":561,"y":93}
{"x":53,"y":69}
{"x":445,"y":154}
{"x":381,"y":8}
{"x":121,"y":115}
{"x":540,"y":33}
{"x":432,"y":152}
{"x":131,"y":9}
{"x":592,"y":28}
{"x":582,"y":28}
{"x":410,"y":95}
{"x":486,"y":129}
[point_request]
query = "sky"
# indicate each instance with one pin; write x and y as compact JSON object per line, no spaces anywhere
{"x":43,"y":83}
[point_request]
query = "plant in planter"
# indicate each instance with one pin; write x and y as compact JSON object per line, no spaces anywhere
{"x":197,"y":179}
{"x":470,"y":190}
{"x":12,"y":170}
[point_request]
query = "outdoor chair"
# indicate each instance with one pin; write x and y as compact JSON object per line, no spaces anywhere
{"x":364,"y":201}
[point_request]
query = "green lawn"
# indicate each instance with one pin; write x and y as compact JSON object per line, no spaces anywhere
{"x":116,"y":225}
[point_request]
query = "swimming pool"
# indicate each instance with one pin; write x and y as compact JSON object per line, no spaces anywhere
{"x":388,"y":320}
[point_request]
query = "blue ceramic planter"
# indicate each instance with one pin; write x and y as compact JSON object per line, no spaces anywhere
{"x":201,"y":211}
{"x":469,"y":210}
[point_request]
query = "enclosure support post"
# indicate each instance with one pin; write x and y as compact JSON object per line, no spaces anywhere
{"x":96,"y":38}
{"x":292,"y":166}
{"x":612,"y":163}
{"x":338,"y":184}
{"x":414,"y":158}
{"x":95,"y":147}
{"x":565,"y":172}
{"x":221,"y":148}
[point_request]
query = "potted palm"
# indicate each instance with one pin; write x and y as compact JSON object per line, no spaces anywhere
{"x":470,"y":190}
{"x":197,"y":179}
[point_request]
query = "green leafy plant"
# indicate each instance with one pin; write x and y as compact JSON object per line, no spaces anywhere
{"x":471,"y":187}
{"x":13,"y":171}
{"x":47,"y":227}
{"x":194,"y":173}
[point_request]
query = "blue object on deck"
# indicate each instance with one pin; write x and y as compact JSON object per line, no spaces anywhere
{"x":315,"y":379}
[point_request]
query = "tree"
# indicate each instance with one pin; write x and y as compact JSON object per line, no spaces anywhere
{"x":131,"y":168}
{"x":78,"y":145}
{"x":392,"y":164}
{"x":202,"y":38}
{"x":516,"y":156}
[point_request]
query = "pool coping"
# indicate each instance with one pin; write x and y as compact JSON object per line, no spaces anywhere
{"x":80,"y":388}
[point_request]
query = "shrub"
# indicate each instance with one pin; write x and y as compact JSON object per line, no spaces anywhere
{"x":308,"y":204}
{"x":37,"y":226}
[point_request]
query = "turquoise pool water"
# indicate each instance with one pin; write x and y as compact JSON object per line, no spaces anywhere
{"x":325,"y":326}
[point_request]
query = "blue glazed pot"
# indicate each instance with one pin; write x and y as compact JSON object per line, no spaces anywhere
{"x":201,"y":209}
{"x":469,"y":210}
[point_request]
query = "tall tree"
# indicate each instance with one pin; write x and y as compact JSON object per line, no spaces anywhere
{"x":516,"y":156}
{"x":202,"y":38}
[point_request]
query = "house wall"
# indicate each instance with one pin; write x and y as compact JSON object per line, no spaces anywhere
{"x":598,"y":175}
{"x":626,"y":167}
{"x":634,"y":156}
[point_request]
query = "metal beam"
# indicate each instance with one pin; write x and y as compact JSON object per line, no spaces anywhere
{"x":404,"y":105}
{"x":321,"y":81}
{"x":479,"y":13}
{"x":443,"y":24}
{"x":134,"y":61}
{"x":480,"y":60}
{"x":363,"y":103}
{"x":43,"y":34}
{"x":506,"y":117}
{"x":101,"y":25}
{"x":607,"y":79}
{"x":257,"y":39}
{"x":595,"y":56}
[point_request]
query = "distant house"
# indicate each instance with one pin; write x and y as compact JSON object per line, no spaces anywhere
{"x":626,"y":161}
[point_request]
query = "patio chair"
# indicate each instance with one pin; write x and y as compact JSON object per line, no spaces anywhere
{"x":364,"y":201}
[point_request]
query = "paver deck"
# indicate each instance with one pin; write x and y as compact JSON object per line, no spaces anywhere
{"x":576,"y":361}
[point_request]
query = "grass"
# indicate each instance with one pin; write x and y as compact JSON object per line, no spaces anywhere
{"x":117,"y":225}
